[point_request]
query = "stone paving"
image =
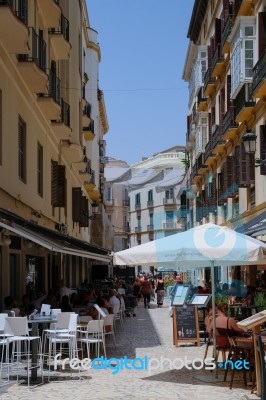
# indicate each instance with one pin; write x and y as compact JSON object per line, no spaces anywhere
{"x":148,"y":334}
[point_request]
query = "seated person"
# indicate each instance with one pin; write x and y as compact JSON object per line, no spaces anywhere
{"x":65,"y":305}
{"x":102,"y":303}
{"x":11,"y":307}
{"x":26,"y":307}
{"x":225,"y":326}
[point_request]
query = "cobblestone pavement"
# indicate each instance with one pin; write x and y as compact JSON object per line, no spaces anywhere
{"x":148,"y":334}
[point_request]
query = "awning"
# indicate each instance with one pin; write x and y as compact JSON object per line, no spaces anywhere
{"x":255,"y":226}
{"x":62,"y":245}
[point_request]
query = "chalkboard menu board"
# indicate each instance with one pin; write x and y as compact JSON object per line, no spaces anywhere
{"x":186,"y":324}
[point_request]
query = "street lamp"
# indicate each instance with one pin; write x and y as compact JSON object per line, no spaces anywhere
{"x":95,"y":209}
{"x":249,"y":140}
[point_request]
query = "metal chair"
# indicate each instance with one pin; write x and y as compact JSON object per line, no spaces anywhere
{"x":94,"y":334}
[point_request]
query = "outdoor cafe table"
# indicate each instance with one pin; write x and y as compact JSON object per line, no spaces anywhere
{"x":35,"y":332}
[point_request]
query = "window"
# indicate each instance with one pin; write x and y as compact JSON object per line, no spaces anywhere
{"x":169,"y":194}
{"x":151,"y":219}
{"x":22,"y":150}
{"x":137,"y":199}
{"x":201,"y":136}
{"x":58,"y":184}
{"x":109,"y":216}
{"x":150,"y":196}
{"x":40,"y":170}
{"x":243,"y":54}
{"x":196,"y":79}
{"x":109,"y":193}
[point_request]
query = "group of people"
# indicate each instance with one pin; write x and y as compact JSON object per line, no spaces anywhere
{"x":146,"y":286}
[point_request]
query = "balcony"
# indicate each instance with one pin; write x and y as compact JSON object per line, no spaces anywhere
{"x":50,"y":12}
{"x":194,"y":172}
{"x":218,"y":143}
{"x":90,"y":184}
{"x":244,"y":103}
{"x":218,"y":67}
{"x":86,"y":173}
{"x":126,"y":203}
{"x":32,"y":66}
{"x":259,"y":78}
{"x":137,"y":206}
{"x":60,"y":39}
{"x":150,"y":227}
{"x":208,"y":153}
{"x":169,"y":201}
{"x":170,"y":225}
{"x":202,"y":101}
{"x":209,"y":83}
{"x":14,"y":32}
{"x":72,"y":152}
{"x":49,"y":103}
{"x":243,"y":7}
{"x":126,"y":228}
{"x":109,"y":202}
{"x":138,"y":229}
{"x":150,"y":203}
{"x":227,"y":28}
{"x":86,"y":114}
{"x":61,"y":127}
{"x":230,"y":127}
{"x":88,"y":132}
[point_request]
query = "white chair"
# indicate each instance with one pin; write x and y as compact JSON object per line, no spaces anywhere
{"x":17,"y":333}
{"x":55,"y":311}
{"x":59,"y":337}
{"x":94,"y":334}
{"x":117,"y":314}
{"x":109,"y":326}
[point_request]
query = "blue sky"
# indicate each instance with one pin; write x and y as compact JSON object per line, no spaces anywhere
{"x":143,"y":45}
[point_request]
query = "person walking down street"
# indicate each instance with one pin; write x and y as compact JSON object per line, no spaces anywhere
{"x":160,"y":290}
{"x":136,"y":289}
{"x":146,"y":290}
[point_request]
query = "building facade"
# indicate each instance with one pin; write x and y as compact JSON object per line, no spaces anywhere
{"x":52,"y":127}
{"x":225,"y":70}
{"x":143,"y":203}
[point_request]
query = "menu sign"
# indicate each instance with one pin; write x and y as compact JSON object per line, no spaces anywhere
{"x":186,"y":325}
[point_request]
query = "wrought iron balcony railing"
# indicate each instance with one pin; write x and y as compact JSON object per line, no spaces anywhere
{"x":259,"y":72}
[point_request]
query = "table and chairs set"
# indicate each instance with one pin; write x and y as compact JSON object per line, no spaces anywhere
{"x":33,"y":348}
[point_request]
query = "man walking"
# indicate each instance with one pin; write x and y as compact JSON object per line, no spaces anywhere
{"x":146,"y":290}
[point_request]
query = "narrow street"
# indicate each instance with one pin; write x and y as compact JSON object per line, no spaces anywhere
{"x":148,"y":334}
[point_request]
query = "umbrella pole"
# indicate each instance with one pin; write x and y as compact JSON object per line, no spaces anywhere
{"x":213,"y":317}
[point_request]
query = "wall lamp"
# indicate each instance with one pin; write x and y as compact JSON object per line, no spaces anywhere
{"x":249,"y":140}
{"x":95,"y":209}
{"x":4,"y":239}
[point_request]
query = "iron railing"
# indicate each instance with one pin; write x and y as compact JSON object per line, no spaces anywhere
{"x":37,"y":50}
{"x":259,"y":72}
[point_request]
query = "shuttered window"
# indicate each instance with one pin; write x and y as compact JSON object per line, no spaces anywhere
{"x":40,"y":169}
{"x":58,"y":185}
{"x":22,"y":150}
{"x":262,"y":33}
{"x":263,"y":148}
{"x":80,"y":207}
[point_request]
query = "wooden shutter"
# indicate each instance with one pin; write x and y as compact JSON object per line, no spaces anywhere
{"x":76,"y":204}
{"x":244,"y":160}
{"x":220,"y":178}
{"x":22,"y":150}
{"x":263,"y":148}
{"x":209,"y":56}
{"x":58,"y":184}
{"x":262,"y":33}
{"x":230,"y":176}
{"x":228,"y":91}
{"x":61,"y":182}
{"x":222,"y":106}
{"x":218,"y":31}
{"x":225,"y":9}
{"x":198,"y":209}
{"x":205,"y":205}
{"x":237,"y":165}
{"x":213,"y":197}
{"x":84,"y":220}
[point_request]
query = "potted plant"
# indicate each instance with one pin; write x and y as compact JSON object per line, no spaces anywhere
{"x":260,"y":301}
